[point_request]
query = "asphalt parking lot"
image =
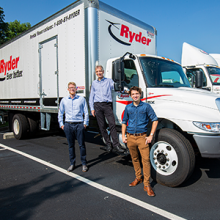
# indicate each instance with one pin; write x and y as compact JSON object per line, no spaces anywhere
{"x":34,"y":184}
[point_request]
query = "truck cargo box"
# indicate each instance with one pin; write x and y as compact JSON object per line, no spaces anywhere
{"x":36,"y":66}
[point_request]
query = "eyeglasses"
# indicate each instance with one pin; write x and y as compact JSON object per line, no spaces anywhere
{"x":71,"y":88}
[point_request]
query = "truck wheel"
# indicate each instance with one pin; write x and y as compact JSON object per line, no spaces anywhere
{"x":20,"y":126}
{"x":172,"y":158}
{"x":33,"y":126}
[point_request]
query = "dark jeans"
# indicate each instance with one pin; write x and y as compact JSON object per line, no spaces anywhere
{"x":73,"y":132}
{"x":104,"y":110}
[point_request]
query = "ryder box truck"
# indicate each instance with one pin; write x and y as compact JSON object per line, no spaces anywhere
{"x":37,"y":65}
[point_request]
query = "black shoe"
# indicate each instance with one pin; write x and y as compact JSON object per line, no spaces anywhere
{"x":84,"y":168}
{"x":71,"y":168}
{"x":108,"y":148}
{"x":104,"y":148}
{"x":118,"y":149}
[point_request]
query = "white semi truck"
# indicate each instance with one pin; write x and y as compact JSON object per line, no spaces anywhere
{"x":216,"y":56}
{"x":196,"y":61}
{"x":37,"y":65}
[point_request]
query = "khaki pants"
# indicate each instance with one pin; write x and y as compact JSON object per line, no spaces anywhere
{"x":134,"y":144}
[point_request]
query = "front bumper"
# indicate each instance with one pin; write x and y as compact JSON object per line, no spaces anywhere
{"x":209,"y":146}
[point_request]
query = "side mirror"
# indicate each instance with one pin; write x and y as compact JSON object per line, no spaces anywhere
{"x":118,"y":74}
{"x":119,"y":86}
{"x":199,"y":79}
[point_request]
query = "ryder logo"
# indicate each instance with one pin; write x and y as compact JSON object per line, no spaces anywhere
{"x":8,"y":66}
{"x":127,"y":33}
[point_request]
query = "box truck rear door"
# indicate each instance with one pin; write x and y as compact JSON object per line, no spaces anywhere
{"x":48,"y":54}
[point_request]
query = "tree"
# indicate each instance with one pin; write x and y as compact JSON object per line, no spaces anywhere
{"x":15,"y":28}
{"x":3,"y":27}
{"x":11,"y":29}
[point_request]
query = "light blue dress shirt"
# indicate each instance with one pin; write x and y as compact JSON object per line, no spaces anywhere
{"x":101,"y":91}
{"x":73,"y":109}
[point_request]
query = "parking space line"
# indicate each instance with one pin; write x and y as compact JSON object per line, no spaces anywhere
{"x":116,"y":193}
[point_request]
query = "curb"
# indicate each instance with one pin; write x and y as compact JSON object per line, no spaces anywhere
{"x":8,"y":135}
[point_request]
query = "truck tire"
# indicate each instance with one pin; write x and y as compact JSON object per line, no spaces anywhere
{"x":20,"y":126}
{"x":172,"y":158}
{"x":33,"y":126}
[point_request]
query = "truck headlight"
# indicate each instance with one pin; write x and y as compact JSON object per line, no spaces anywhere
{"x":212,"y":127}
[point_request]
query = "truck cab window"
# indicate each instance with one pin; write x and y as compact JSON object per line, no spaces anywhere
{"x":191,"y":73}
{"x":214,"y":73}
{"x":162,"y":73}
{"x":131,"y":76}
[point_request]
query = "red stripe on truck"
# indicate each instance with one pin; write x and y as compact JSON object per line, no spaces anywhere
{"x":216,"y":80}
{"x":152,"y":97}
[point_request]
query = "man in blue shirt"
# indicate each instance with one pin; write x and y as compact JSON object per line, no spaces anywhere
{"x":100,"y":102}
{"x":74,"y":107}
{"x":137,"y":115}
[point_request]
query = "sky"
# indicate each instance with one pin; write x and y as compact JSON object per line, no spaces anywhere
{"x":191,"y":21}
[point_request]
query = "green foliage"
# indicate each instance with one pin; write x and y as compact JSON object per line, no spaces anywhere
{"x":3,"y":27}
{"x":15,"y":28}
{"x":11,"y":29}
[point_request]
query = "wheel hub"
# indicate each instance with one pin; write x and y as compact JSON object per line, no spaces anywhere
{"x":163,"y":158}
{"x":16,"y":126}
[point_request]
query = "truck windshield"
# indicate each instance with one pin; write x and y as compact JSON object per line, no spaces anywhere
{"x":214,"y":74}
{"x":163,"y":73}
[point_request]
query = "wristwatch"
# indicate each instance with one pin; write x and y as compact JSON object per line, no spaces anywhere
{"x":151,"y":134}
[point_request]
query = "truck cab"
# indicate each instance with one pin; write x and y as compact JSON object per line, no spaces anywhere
{"x":195,"y":60}
{"x":188,"y":118}
{"x":211,"y":76}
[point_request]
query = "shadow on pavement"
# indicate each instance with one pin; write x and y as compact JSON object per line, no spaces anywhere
{"x":102,"y":157}
{"x":211,"y":167}
{"x":21,"y":201}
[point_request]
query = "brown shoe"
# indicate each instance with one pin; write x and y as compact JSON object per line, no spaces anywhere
{"x":136,"y":181}
{"x":149,"y":190}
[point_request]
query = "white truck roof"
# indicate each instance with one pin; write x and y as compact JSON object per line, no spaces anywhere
{"x":192,"y":56}
{"x":216,"y":56}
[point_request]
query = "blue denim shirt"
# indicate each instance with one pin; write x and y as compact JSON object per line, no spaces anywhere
{"x":74,"y":110}
{"x":138,"y":117}
{"x":101,"y":91}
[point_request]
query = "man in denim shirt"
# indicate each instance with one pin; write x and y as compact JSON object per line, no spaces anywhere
{"x":137,"y":115}
{"x":74,"y":106}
